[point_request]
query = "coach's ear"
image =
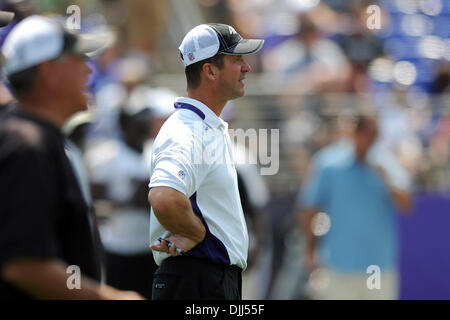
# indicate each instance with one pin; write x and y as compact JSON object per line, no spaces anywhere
{"x":210,"y":71}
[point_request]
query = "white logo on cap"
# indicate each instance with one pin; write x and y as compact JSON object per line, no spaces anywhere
{"x":232,"y":31}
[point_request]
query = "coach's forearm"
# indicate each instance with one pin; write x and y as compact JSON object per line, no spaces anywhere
{"x":173,"y":210}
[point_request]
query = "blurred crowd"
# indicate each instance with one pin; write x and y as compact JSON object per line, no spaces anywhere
{"x":321,"y":65}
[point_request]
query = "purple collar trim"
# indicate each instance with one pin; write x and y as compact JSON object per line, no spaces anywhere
{"x":181,"y":105}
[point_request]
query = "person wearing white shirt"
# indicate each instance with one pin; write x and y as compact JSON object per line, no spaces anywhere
{"x":197,"y":228}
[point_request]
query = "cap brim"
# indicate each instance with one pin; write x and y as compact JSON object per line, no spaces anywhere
{"x":95,"y":44}
{"x":5,"y":18}
{"x":246,"y":46}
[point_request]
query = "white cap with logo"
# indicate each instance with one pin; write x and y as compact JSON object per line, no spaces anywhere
{"x":206,"y":40}
{"x":37,"y":39}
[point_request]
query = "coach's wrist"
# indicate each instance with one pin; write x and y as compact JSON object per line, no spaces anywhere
{"x":200,"y":236}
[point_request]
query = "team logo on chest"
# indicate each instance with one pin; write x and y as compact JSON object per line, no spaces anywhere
{"x":181,"y":174}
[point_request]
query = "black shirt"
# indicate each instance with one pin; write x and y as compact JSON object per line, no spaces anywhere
{"x":42,"y":210}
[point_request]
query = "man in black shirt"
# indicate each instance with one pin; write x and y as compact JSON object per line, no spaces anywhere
{"x":45,"y":224}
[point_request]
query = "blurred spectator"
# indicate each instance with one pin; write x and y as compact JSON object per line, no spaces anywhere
{"x":441,"y":83}
{"x":359,"y":187}
{"x":360,"y":47}
{"x":103,"y":67}
{"x":398,"y":130}
{"x":114,"y":83}
{"x":145,"y":24}
{"x":436,"y":170}
{"x":255,"y":196}
{"x":75,"y":130}
{"x":308,"y":62}
{"x":119,"y":175}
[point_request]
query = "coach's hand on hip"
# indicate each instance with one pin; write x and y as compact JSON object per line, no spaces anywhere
{"x":173,"y":244}
{"x":173,"y":210}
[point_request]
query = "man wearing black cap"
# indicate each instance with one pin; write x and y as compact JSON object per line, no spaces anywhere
{"x":197,"y":228}
{"x":49,"y":247}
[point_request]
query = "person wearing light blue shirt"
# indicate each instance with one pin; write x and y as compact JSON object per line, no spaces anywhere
{"x":359,"y":186}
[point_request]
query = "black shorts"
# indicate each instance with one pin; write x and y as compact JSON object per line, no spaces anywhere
{"x":189,"y":278}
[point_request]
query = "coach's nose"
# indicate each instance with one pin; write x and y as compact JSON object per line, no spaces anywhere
{"x":245,"y":66}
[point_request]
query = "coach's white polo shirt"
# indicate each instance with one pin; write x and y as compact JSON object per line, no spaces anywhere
{"x":192,"y":154}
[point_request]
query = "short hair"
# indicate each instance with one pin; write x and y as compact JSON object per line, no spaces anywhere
{"x":194,"y":70}
{"x":22,"y":82}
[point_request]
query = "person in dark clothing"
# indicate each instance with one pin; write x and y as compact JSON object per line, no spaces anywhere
{"x":49,"y":244}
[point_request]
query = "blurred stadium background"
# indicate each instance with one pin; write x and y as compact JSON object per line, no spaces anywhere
{"x":401,"y":70}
